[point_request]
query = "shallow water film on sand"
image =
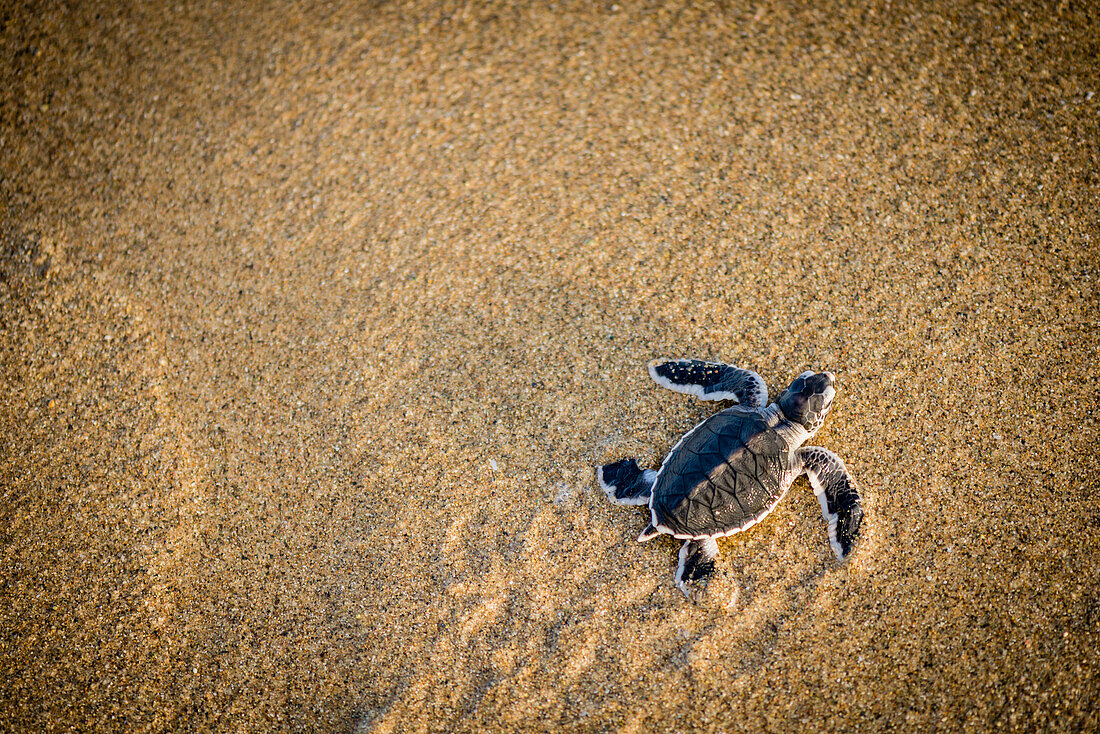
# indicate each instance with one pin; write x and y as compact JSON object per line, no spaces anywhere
{"x":316,"y":319}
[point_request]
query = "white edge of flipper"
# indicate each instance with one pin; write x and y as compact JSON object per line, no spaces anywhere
{"x":831,"y":518}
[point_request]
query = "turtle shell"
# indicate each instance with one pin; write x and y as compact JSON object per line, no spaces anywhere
{"x":722,"y":477}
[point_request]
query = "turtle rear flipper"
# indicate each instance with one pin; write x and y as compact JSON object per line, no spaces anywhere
{"x":841,"y":505}
{"x":626,"y":483}
{"x":710,"y":381}
{"x":697,"y":565}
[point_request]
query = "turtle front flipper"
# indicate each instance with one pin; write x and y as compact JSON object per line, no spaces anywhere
{"x":841,"y":505}
{"x":697,"y":566}
{"x":626,"y":483}
{"x":710,"y":381}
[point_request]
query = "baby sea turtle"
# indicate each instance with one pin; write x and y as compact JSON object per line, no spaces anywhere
{"x":727,"y":473}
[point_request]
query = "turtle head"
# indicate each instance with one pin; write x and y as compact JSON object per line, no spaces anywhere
{"x":808,"y":399}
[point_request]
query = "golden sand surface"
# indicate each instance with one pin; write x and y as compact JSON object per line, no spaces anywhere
{"x":315,"y":320}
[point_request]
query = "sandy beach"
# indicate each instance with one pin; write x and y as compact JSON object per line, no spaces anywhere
{"x":315,"y":320}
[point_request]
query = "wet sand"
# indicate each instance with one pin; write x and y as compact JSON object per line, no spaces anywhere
{"x":315,"y":319}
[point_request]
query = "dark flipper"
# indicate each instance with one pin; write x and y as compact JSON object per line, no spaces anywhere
{"x":840,"y":502}
{"x":711,"y":381}
{"x":697,"y":565}
{"x":626,"y":483}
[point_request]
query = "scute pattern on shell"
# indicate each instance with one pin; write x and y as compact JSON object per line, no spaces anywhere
{"x":724,"y":476}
